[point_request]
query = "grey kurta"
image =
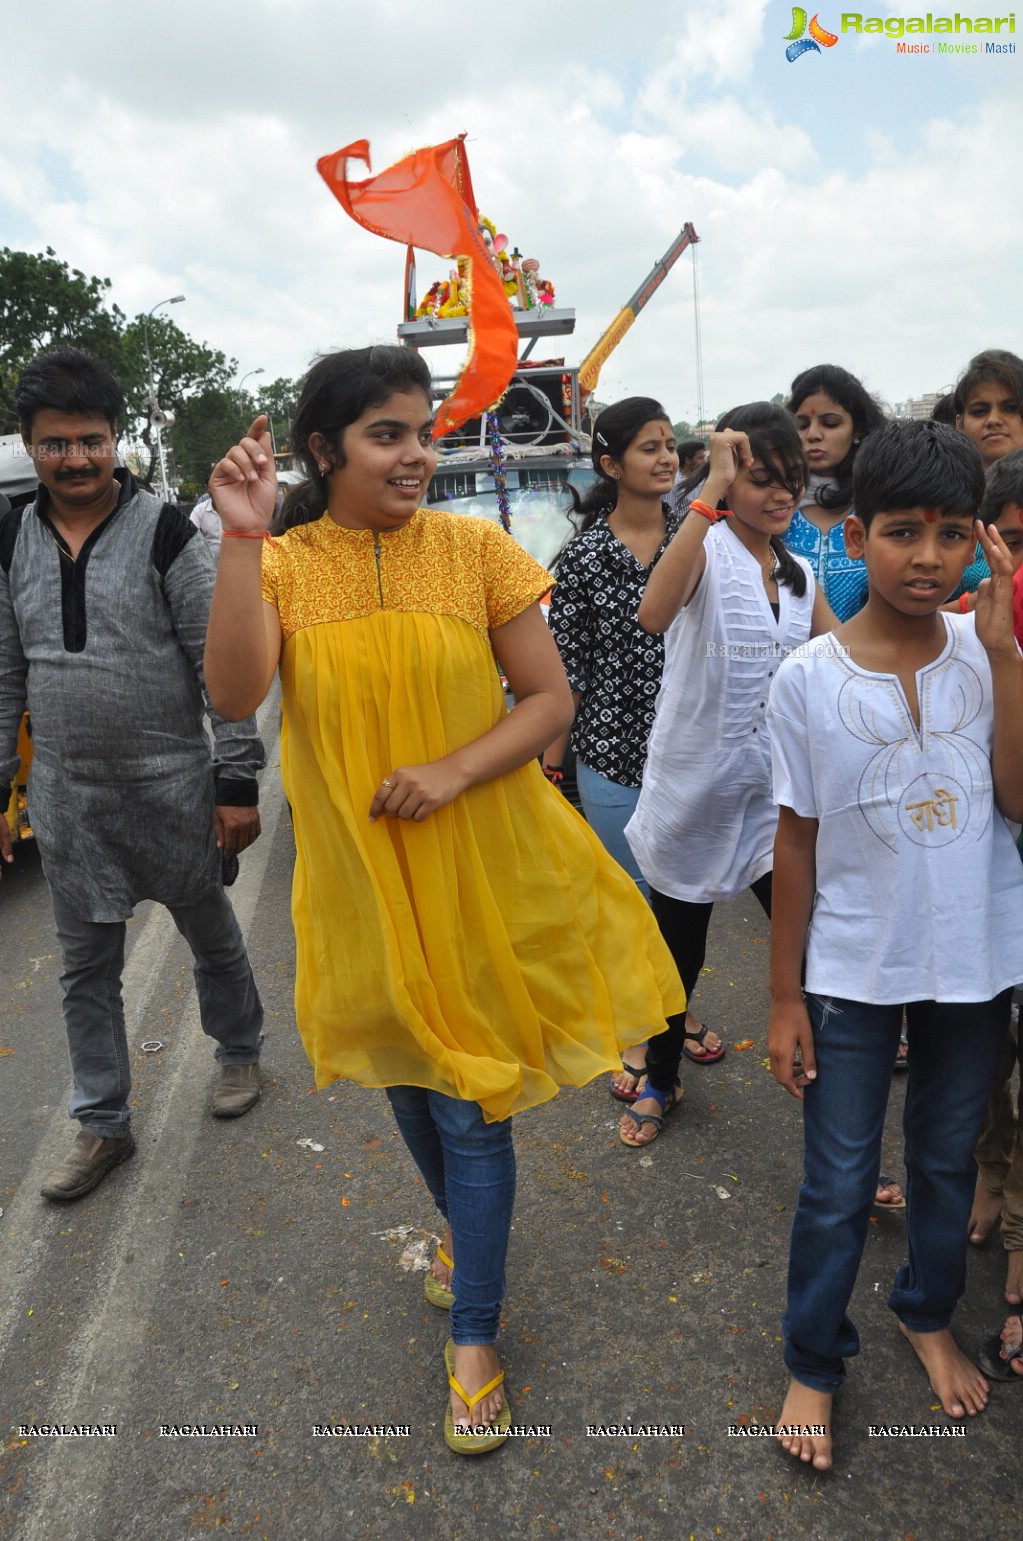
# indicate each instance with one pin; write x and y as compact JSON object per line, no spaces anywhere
{"x":107,"y":650}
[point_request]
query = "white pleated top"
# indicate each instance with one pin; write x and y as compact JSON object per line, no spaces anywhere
{"x":704,"y":826}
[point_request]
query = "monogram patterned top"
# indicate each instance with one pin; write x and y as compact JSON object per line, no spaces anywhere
{"x":614,"y":664}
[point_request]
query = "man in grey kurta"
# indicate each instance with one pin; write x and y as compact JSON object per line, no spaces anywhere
{"x":104,"y":599}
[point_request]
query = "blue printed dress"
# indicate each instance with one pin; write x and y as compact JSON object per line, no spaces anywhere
{"x":843,"y":578}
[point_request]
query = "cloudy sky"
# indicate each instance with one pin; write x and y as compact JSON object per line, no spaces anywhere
{"x":855,"y":206}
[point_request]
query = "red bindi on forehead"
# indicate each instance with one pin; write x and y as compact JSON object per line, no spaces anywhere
{"x":930,"y":514}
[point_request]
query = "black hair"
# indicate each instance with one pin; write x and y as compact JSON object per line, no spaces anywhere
{"x":1004,"y":485}
{"x":914,"y":465}
{"x":993,"y":364}
{"x":335,"y":393}
{"x":67,"y":380}
{"x":688,"y":448}
{"x":775,"y":442}
{"x":850,"y":394}
{"x":944,"y":410}
{"x":613,"y":432}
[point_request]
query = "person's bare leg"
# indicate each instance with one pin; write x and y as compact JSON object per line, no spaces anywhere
{"x":955,"y":1380}
{"x":1014,"y":1279}
{"x":987,"y":1207}
{"x":805,"y":1408}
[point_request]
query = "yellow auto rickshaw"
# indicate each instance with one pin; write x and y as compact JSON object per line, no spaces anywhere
{"x":17,"y":805}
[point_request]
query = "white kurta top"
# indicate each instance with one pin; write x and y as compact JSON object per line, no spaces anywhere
{"x":704,"y":826}
{"x":919,"y":883}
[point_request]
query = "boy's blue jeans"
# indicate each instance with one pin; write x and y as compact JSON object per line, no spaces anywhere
{"x":469,"y":1167}
{"x":953,"y":1053}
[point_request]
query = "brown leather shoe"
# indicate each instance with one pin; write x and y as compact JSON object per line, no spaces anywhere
{"x":90,"y":1159}
{"x":236,"y":1091}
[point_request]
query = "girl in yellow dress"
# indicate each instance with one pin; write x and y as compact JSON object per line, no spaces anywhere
{"x":462,"y":939}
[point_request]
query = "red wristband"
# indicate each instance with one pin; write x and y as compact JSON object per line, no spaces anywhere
{"x":964,"y":604}
{"x":698,"y":506}
{"x":246,"y":534}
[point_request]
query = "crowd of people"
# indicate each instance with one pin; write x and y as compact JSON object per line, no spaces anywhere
{"x":791,"y":666}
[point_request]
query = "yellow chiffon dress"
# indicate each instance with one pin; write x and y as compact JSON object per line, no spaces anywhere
{"x":494,"y":951}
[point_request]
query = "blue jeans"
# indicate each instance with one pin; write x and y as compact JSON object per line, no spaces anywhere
{"x":953,"y":1052}
{"x":608,"y":807}
{"x":93,"y":960}
{"x":469,"y":1167}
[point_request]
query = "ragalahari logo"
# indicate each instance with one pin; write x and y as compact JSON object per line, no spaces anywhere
{"x":798,"y":44}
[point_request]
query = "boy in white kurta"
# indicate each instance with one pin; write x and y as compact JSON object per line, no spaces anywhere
{"x":897,"y":743}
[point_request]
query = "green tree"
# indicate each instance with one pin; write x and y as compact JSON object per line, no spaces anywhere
{"x":279,"y":400}
{"x":205,"y":427}
{"x":43,"y":303}
{"x":176,"y":370}
{"x":681,"y":431}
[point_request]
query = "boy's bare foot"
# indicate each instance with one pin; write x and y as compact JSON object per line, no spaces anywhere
{"x":441,"y":1272}
{"x":1014,"y":1280}
{"x":475,"y":1365}
{"x":809,"y":1410}
{"x":955,"y":1381}
{"x":987,"y":1207}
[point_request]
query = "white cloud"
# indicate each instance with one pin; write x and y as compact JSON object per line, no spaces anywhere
{"x":187,"y":164}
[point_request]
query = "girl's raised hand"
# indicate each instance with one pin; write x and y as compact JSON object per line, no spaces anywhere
{"x":994,"y":596}
{"x":243,"y":485}
{"x":729,"y":451}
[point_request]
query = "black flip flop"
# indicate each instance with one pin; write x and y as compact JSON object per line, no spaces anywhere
{"x":990,"y":1359}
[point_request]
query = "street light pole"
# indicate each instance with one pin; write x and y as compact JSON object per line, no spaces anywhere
{"x":269,"y":420}
{"x":155,"y":414}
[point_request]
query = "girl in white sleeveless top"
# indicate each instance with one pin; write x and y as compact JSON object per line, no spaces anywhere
{"x":733,"y":603}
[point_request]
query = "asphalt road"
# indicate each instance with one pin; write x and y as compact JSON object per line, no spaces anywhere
{"x":236,"y":1274}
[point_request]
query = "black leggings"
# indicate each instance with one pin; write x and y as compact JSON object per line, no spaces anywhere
{"x":684,"y":928}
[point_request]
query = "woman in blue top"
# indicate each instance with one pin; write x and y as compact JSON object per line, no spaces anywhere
{"x":833,"y":412}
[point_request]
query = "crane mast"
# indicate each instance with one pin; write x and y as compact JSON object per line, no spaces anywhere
{"x":593,"y":363}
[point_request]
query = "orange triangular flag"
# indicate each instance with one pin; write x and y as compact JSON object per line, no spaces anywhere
{"x":426,"y":200}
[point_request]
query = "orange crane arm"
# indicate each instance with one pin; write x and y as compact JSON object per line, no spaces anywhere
{"x":593,"y":363}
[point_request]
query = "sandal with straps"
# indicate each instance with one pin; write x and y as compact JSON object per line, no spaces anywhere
{"x":480,"y":1439}
{"x":638,"y":1073}
{"x":666,"y":1101}
{"x":436,"y":1293}
{"x":700,"y":1055}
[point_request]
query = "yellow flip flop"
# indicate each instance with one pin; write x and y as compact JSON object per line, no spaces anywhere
{"x":494,"y":1433}
{"x":433,"y":1289}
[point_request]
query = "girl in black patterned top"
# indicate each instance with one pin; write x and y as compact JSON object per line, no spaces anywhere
{"x":614,"y":667}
